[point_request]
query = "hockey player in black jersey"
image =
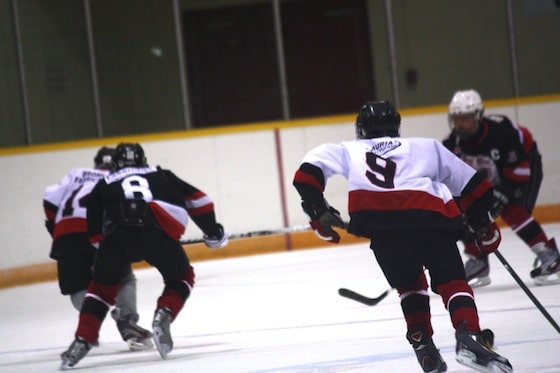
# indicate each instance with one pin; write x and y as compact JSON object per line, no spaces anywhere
{"x":139,"y":213}
{"x":65,"y":213}
{"x":508,"y":155}
{"x":401,"y":196}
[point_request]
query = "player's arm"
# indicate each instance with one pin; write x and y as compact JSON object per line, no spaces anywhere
{"x":52,"y":197}
{"x":477,"y":200}
{"x":201,"y":210}
{"x":95,"y":215}
{"x":309,"y":181}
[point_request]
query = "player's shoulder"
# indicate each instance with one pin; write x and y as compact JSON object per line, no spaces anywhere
{"x":499,"y":122}
{"x":88,"y":173}
{"x":421,"y":141}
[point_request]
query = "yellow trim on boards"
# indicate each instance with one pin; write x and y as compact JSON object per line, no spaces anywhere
{"x":249,"y":127}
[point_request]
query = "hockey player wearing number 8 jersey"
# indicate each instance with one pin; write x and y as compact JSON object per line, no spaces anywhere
{"x":139,"y":213}
{"x":401,"y":196}
{"x":65,"y":210}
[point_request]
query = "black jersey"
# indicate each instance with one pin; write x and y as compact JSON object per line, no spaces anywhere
{"x":497,"y":150}
{"x":141,"y":196}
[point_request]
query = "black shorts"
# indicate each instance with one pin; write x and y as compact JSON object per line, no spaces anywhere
{"x":403,"y":255}
{"x":126,"y":245}
{"x":75,"y":257}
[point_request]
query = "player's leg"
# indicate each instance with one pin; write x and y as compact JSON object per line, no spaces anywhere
{"x":443,"y":261}
{"x":126,"y":316}
{"x":171,"y":261}
{"x":395,"y":253}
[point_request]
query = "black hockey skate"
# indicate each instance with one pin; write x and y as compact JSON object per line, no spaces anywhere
{"x":475,"y":350}
{"x":76,"y":352}
{"x":427,"y":354}
{"x":162,"y":333}
{"x":135,"y":336}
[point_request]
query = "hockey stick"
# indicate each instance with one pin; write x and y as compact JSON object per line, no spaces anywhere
{"x":350,"y":294}
{"x":527,"y":291}
{"x":298,"y":228}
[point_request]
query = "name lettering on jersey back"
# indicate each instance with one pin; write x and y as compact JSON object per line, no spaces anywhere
{"x":383,"y":147}
{"x":86,"y":176}
{"x":125,"y":172}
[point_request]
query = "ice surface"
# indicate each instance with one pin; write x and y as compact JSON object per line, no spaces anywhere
{"x":279,"y":313}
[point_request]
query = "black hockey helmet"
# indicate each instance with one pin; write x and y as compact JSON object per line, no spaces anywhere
{"x":130,"y":155}
{"x":105,"y":158}
{"x":377,"y":119}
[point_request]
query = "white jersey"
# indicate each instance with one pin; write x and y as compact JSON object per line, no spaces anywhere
{"x":65,"y":203}
{"x":396,"y":182}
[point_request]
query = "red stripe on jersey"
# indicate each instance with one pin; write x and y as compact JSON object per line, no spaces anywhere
{"x":50,"y":215}
{"x":305,"y":178}
{"x":400,"y":200}
{"x":201,"y":210}
{"x":521,"y":172}
{"x":467,"y":200}
{"x":195,"y":195}
{"x":527,"y":139}
{"x":71,"y":225}
{"x":168,"y":223}
{"x":96,"y":239}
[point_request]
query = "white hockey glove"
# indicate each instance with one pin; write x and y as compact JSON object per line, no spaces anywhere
{"x":218,"y":240}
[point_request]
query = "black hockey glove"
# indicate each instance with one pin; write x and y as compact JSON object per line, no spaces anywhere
{"x":487,"y":239}
{"x":500,"y":201}
{"x":218,"y":239}
{"x":323,"y":218}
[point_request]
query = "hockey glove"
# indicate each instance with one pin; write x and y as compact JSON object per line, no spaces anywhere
{"x":500,"y":201}
{"x":217,"y":240}
{"x":488,"y":238}
{"x":322,"y":221}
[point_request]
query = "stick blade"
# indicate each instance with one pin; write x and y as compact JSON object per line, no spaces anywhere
{"x":350,"y":294}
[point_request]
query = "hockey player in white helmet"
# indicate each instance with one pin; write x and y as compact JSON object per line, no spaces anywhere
{"x":64,"y":206}
{"x":508,"y":155}
{"x":401,"y":196}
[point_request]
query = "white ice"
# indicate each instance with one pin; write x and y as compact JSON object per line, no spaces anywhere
{"x":280,"y":313}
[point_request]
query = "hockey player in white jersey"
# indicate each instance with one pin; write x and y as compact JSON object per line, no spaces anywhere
{"x":65,"y":210}
{"x":401,"y":195}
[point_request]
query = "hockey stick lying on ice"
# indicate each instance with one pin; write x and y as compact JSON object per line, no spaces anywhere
{"x":294,"y":229}
{"x":350,"y":294}
{"x":527,"y":291}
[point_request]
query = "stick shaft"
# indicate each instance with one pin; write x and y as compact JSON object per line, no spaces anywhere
{"x":527,"y":291}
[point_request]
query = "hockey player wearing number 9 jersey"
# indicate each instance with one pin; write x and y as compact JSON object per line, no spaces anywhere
{"x":401,"y":195}
{"x":65,"y":210}
{"x":139,"y":213}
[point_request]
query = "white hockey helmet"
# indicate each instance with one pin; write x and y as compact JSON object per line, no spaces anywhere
{"x":465,"y":102}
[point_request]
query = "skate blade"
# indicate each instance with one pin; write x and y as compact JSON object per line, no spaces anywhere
{"x":468,"y":359}
{"x":139,"y":345}
{"x":163,"y":348}
{"x":552,"y":279}
{"x":478,"y":282}
{"x":65,"y":365}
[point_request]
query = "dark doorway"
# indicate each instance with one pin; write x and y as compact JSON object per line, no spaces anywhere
{"x":232,"y":63}
{"x":232,"y":66}
{"x":328,"y":56}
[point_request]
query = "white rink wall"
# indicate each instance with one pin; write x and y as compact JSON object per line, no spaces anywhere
{"x":240,"y":171}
